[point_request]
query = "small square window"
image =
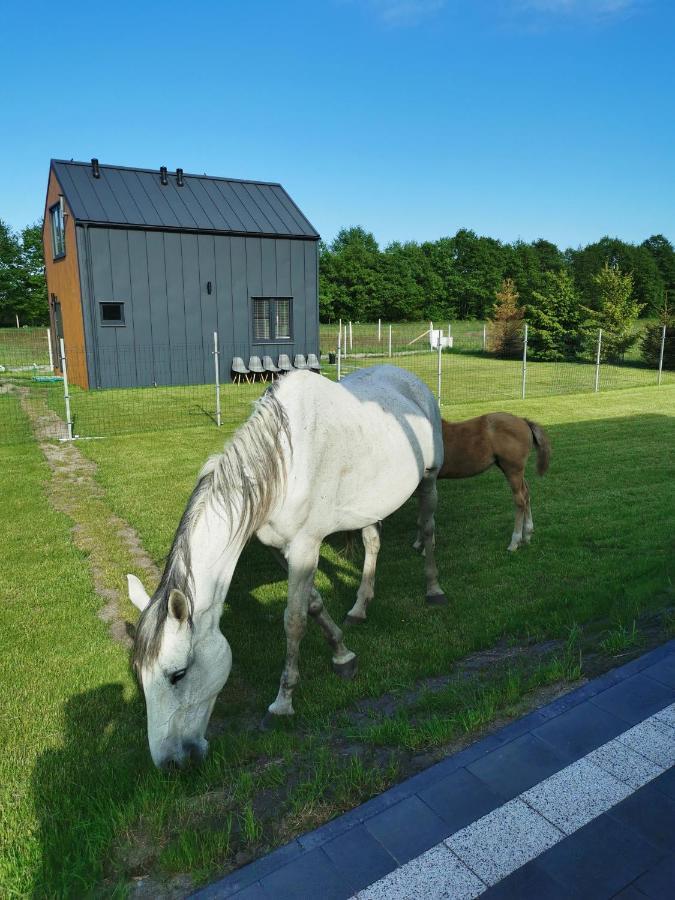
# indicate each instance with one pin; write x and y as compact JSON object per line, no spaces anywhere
{"x":58,"y":230}
{"x":112,"y":313}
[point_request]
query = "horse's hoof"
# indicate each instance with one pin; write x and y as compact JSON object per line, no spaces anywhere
{"x":512,"y":549}
{"x":353,"y":620}
{"x":346,"y":670}
{"x":272,"y":722}
{"x":437,"y":600}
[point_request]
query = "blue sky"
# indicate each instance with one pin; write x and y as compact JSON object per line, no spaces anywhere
{"x":517,"y":118}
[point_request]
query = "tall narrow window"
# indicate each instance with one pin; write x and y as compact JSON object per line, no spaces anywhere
{"x":58,"y":230}
{"x":261,"y":320}
{"x":283,"y":323}
{"x":272,"y":318}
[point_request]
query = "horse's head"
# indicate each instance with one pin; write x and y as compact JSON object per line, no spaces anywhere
{"x":182,"y":665}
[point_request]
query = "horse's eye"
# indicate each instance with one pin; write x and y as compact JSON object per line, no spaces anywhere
{"x":175,"y":677}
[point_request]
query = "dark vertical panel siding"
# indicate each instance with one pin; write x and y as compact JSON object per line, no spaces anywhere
{"x":253,"y":283}
{"x":193,"y":311}
{"x":311,"y":297}
{"x":108,"y":368}
{"x":140,"y":296}
{"x":159,"y":315}
{"x":207,"y":272}
{"x":223,"y":298}
{"x":240,"y":298}
{"x":268,"y":267}
{"x":283,"y":258}
{"x":87,"y":306}
{"x":175,"y":307}
{"x":299,"y":295}
{"x":123,"y":363}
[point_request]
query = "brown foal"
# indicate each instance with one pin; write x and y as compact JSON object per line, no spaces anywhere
{"x":502,"y":440}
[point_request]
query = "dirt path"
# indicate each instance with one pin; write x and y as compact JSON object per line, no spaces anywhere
{"x":112,"y":547}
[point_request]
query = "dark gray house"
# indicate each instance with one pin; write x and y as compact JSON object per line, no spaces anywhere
{"x":144,"y":265}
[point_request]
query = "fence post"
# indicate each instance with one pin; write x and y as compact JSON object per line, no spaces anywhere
{"x":216,"y":364}
{"x":440,"y":369}
{"x":524,"y":362}
{"x":379,"y":329}
{"x":597,"y":362}
{"x":339,"y":352}
{"x":449,"y":332}
{"x":351,"y":338}
{"x":49,"y":347}
{"x":390,"y":342}
{"x":66,"y":392}
{"x":663,"y":345}
{"x":484,"y":338}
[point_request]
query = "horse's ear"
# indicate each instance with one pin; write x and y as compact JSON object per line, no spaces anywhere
{"x":137,"y":593}
{"x":178,"y":607}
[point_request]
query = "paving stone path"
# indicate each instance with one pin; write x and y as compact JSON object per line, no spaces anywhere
{"x":576,"y":799}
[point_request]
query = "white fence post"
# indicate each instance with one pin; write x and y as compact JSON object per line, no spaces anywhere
{"x":484,"y":337}
{"x":440,"y":369}
{"x":524,"y":363}
{"x":49,"y":347}
{"x":390,"y":342}
{"x":663,"y":345}
{"x":351,"y":339}
{"x":216,"y":364}
{"x":379,"y":329}
{"x":597,"y":362}
{"x":449,"y":333}
{"x":66,"y":393}
{"x":339,"y":352}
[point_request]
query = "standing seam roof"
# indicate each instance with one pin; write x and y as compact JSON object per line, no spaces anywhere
{"x":136,"y":198}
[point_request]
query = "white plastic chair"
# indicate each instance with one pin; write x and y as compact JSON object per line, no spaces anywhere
{"x":239,"y":370}
{"x":300,"y":362}
{"x":313,"y":362}
{"x":268,"y":363}
{"x":284,"y":363}
{"x":256,"y":367}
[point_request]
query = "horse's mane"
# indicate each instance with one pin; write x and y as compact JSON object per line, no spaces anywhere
{"x":241,"y":483}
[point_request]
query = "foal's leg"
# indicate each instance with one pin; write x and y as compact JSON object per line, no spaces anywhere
{"x":366,"y":592}
{"x":520,"y":498}
{"x":529,"y":524}
{"x":428,"y":500}
{"x":303,"y":558}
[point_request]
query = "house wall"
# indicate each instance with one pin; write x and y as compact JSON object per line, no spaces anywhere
{"x":162,"y":278}
{"x":63,"y":280}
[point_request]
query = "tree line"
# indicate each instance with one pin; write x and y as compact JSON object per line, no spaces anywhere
{"x":565,"y":295}
{"x":23,"y":289}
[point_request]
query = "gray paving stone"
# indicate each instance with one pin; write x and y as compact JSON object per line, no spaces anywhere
{"x":512,"y":769}
{"x":625,"y":764}
{"x":576,"y":795}
{"x":635,"y":698}
{"x":667,"y":715}
{"x":459,"y":799}
{"x":659,"y":881}
{"x":435,"y":875}
{"x":653,"y":739}
{"x":652,"y":815}
{"x":407,"y":829}
{"x":503,"y":840}
{"x":663,"y":671}
{"x":580,"y":730}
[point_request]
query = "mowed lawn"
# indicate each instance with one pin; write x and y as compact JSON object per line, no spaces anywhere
{"x":82,"y":808}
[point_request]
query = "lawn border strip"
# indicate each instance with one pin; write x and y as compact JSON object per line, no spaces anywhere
{"x":241,"y":879}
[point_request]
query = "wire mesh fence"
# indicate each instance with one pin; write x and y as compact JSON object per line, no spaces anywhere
{"x":128,"y":389}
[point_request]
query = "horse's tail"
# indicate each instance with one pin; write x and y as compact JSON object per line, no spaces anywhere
{"x":543,"y":445}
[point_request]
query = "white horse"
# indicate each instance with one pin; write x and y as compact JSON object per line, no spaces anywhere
{"x":315,"y":457}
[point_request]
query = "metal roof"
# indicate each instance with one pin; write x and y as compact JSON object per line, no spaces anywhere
{"x":136,"y":198}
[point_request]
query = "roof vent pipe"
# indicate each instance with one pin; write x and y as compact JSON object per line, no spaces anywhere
{"x":162,"y":175}
{"x":95,"y":171}
{"x":179,"y":177}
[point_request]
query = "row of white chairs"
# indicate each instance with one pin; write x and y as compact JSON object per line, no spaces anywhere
{"x":265,"y":368}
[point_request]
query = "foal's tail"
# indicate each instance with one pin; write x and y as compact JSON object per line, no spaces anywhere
{"x":543,"y":445}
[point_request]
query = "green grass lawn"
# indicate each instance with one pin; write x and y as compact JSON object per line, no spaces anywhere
{"x":24,"y":347}
{"x":82,"y":808}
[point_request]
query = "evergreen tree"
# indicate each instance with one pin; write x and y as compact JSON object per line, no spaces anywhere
{"x":10,"y":274}
{"x":555,"y":317}
{"x":506,"y":325}
{"x":616,"y":312}
{"x":650,"y":346}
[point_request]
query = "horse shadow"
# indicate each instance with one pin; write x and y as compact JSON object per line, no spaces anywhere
{"x":80,"y":787}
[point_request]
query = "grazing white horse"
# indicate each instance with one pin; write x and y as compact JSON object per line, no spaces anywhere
{"x":315,"y":457}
